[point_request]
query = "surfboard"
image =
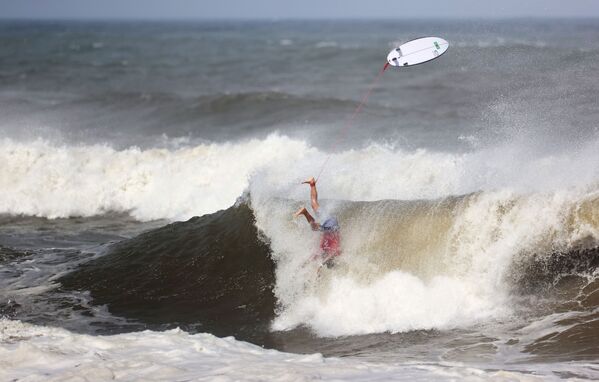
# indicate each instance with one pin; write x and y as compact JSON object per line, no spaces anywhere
{"x":417,"y":51}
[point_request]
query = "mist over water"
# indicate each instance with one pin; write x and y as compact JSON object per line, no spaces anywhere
{"x":150,"y":172}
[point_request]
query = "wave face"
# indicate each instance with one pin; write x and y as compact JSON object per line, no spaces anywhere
{"x":211,"y":273}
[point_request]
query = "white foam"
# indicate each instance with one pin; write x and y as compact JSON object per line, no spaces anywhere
{"x":459,"y":281}
{"x":396,"y":302}
{"x":35,"y":353}
{"x":44,"y":179}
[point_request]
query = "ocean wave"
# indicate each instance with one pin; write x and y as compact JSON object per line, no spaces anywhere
{"x":212,"y":105}
{"x":39,"y":178}
{"x":47,"y":180}
{"x":503,"y":43}
{"x":461,"y":259}
{"x":464,"y":261}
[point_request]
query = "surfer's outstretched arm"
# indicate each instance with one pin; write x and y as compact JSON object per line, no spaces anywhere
{"x":303,"y":211}
{"x":313,"y":193}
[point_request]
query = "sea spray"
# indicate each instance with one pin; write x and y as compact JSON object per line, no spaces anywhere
{"x":439,"y":264}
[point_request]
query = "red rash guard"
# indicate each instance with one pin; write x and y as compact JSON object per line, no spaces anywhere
{"x":330,"y":243}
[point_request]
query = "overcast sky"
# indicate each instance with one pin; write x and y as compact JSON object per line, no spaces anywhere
{"x":277,"y":9}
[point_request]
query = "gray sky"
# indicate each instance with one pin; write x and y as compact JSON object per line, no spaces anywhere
{"x":272,"y":9}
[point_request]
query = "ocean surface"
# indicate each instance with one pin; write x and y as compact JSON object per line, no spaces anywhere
{"x":149,"y":172}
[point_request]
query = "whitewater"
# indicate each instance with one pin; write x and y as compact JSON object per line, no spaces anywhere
{"x":46,"y":179}
{"x":45,"y":354}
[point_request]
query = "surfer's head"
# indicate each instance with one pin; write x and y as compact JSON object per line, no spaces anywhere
{"x":330,"y":224}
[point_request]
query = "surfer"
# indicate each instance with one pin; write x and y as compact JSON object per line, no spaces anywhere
{"x":330,"y":240}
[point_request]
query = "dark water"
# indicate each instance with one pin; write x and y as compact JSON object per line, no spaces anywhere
{"x":466,"y":189}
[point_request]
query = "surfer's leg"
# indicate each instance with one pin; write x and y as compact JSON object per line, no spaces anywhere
{"x":309,"y":218}
{"x":313,"y":194}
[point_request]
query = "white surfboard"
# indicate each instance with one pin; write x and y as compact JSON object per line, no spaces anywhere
{"x":417,"y":51}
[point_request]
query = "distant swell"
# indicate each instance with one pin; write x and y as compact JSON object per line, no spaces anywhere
{"x":232,"y":105}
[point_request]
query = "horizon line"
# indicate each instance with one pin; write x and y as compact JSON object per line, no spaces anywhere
{"x":283,"y":19}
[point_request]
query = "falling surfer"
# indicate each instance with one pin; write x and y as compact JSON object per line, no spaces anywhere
{"x":411,"y":53}
{"x":330,"y":240}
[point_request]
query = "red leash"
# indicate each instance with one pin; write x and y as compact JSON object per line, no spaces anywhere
{"x":349,"y":121}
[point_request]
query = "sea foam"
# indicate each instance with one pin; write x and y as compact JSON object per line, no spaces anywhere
{"x":40,"y":178}
{"x":37,"y":353}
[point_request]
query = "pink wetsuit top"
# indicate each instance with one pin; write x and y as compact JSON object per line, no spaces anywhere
{"x":330,"y":243}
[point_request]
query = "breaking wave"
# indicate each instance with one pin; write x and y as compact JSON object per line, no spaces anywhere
{"x":41,"y":178}
{"x":468,"y":234}
{"x":464,"y":261}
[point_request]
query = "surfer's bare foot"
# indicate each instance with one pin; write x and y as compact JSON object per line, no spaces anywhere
{"x":301,"y":211}
{"x":310,"y":181}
